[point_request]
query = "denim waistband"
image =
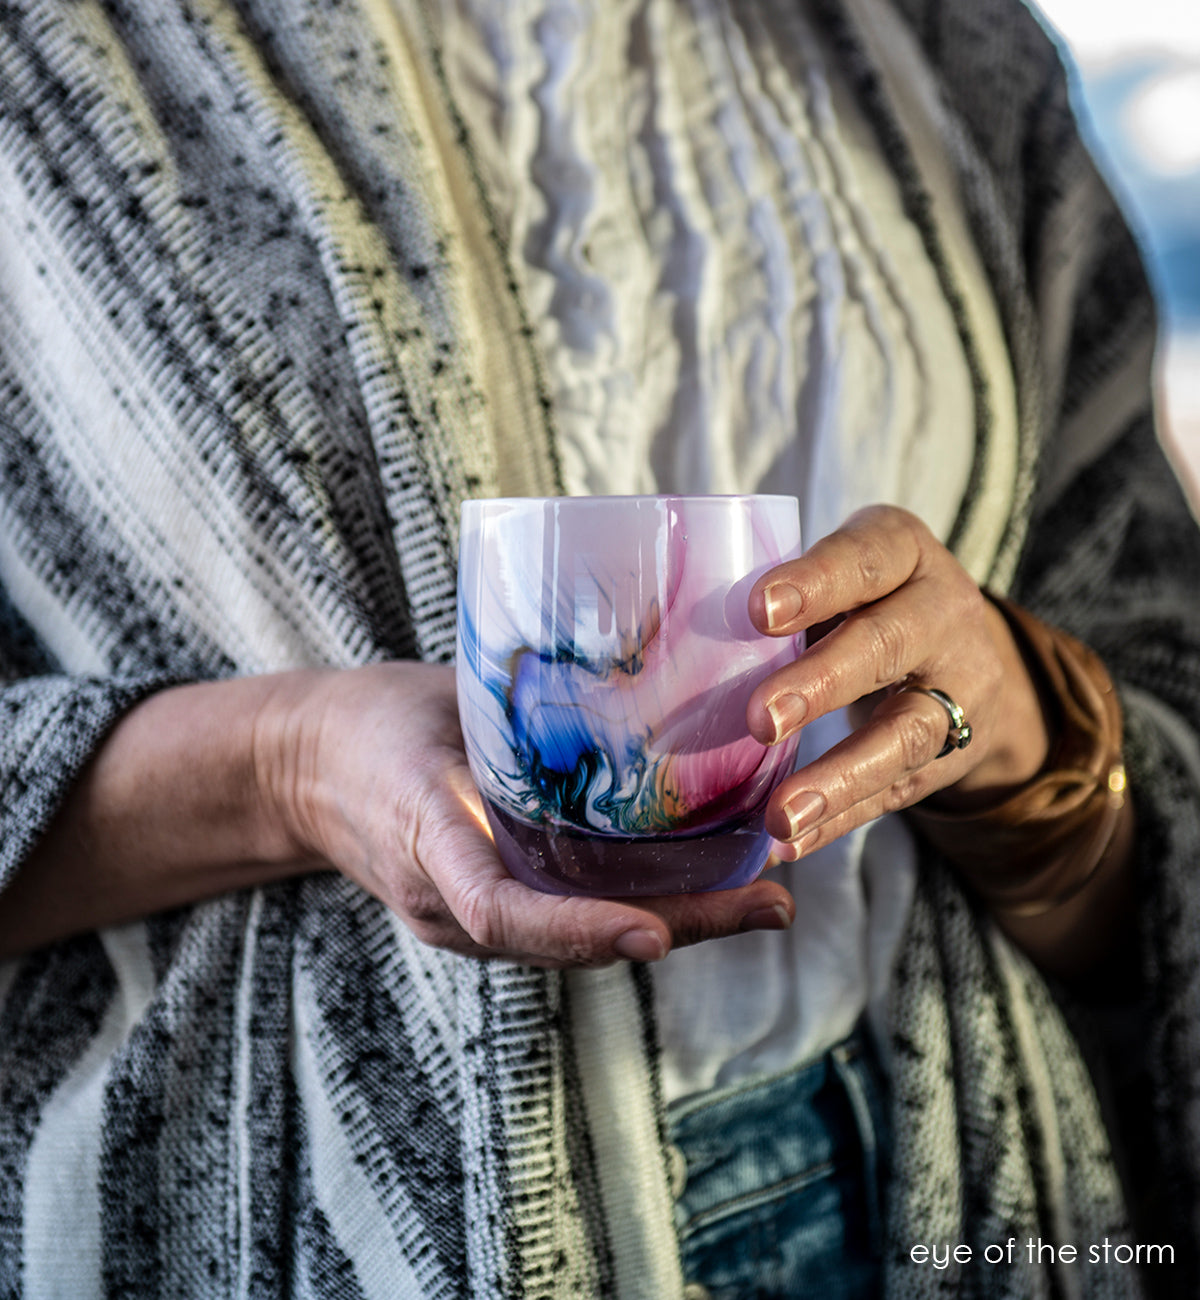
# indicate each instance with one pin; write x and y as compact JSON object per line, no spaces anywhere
{"x":779,"y":1181}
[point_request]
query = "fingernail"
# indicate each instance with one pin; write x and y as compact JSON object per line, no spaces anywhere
{"x":787,"y":712}
{"x":782,"y":603}
{"x":767,"y":918}
{"x":806,"y":841}
{"x":802,"y":811}
{"x":640,"y":945}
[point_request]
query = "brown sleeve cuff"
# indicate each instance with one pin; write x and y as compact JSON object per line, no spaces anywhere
{"x":1041,"y":844}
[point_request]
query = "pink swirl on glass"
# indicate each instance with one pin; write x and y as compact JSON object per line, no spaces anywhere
{"x":605,"y":661}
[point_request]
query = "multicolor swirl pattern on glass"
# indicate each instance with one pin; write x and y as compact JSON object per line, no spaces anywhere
{"x":605,"y":660}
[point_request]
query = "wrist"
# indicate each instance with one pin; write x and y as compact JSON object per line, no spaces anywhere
{"x":185,"y":798}
{"x":285,"y":745}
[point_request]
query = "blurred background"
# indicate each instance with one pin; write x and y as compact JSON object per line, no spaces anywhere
{"x":1138,"y":66}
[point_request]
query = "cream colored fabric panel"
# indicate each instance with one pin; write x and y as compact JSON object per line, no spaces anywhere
{"x":730,"y":298}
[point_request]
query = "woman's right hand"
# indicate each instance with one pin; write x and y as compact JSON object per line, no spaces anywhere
{"x":217,"y":786}
{"x":365,"y":770}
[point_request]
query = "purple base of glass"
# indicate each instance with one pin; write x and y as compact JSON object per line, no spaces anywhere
{"x":615,"y":866}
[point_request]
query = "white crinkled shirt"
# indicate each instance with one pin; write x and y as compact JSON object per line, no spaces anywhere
{"x":730,"y":298}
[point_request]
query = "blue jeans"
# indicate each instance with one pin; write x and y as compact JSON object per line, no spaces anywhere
{"x":780,"y":1182}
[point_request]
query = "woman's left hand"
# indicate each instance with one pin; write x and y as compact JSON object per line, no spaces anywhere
{"x":901,"y":611}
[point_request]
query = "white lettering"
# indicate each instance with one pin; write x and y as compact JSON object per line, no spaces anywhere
{"x":1121,"y":1252}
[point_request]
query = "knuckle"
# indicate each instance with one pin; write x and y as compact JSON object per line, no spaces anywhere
{"x":962,"y":602}
{"x":870,"y":563}
{"x":417,"y":818}
{"x":481,"y":919}
{"x":695,"y":930}
{"x":567,"y":941}
{"x":888,"y":648}
{"x":919,"y":735}
{"x":577,"y":945}
{"x":902,"y":794}
{"x":691,"y":921}
{"x":903,"y":528}
{"x":822,"y":686}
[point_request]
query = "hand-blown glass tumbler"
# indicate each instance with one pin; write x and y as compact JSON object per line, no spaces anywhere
{"x":605,"y":661}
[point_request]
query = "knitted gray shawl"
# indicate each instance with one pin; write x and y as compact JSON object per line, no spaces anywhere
{"x":247,"y":374}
